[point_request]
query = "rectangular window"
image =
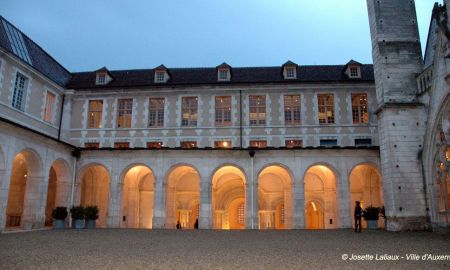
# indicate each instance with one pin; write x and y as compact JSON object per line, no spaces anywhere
{"x":222,"y":144}
{"x":283,"y":214}
{"x":160,"y":76}
{"x":188,"y":144}
{"x":154,"y":145}
{"x":363,"y":142}
{"x":223,"y":111}
{"x":101,"y":78}
{"x":92,"y":145}
{"x":189,"y":108}
{"x":223,"y":75}
{"x":258,"y":144}
{"x":124,"y":112}
{"x":95,"y":113}
{"x":328,"y":142}
{"x":354,"y":72}
{"x":48,"y":110}
{"x":359,"y":109}
{"x":326,"y":108}
{"x":19,"y":91}
{"x":293,"y":143}
{"x":156,"y":112}
{"x":257,"y":110}
{"x":121,"y":145}
{"x":292,"y":109}
{"x":241,"y":213}
{"x":290,"y":74}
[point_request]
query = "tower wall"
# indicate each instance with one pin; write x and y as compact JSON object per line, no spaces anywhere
{"x":397,"y":60}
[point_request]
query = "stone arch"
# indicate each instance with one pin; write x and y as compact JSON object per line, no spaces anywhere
{"x":137,"y":200}
{"x":228,"y":195}
{"x":365,"y":186}
{"x":320,"y":184}
{"x":25,"y":186}
{"x":182,"y":191}
{"x":95,"y":189}
{"x":275,"y":185}
{"x":59,"y":187}
{"x":314,"y":214}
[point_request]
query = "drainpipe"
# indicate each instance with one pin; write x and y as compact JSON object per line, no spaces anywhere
{"x":75,"y":154}
{"x":252,"y":155}
{"x":61,"y":117}
{"x":240,"y":119}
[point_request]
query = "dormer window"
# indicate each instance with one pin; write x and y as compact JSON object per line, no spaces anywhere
{"x":354,"y":72}
{"x":223,"y":72}
{"x":161,"y":74}
{"x":289,"y":70}
{"x":101,"y":78}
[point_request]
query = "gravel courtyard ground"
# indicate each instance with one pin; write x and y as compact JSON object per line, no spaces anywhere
{"x":207,"y":249}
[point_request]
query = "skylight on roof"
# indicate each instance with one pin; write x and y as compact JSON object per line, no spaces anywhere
{"x":16,"y":41}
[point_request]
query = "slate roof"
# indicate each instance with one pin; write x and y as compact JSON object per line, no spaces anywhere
{"x":40,"y":60}
{"x":208,"y":76}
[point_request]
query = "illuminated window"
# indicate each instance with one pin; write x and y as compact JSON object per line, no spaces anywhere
{"x":95,"y":113}
{"x":48,"y":110}
{"x":124,"y":113}
{"x":188,"y":144}
{"x":258,"y":143}
{"x":359,"y":109}
{"x":222,"y":144}
{"x":189,"y":108}
{"x":160,"y":76}
{"x":292,"y":109}
{"x":19,"y":91}
{"x":121,"y":145}
{"x":326,"y":108}
{"x":223,"y":111}
{"x":154,"y":145}
{"x":293,"y":143}
{"x":92,"y":145}
{"x":257,"y":110}
{"x":241,"y":214}
{"x":156,"y":112}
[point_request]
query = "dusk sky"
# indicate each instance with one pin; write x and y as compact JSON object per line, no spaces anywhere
{"x":85,"y":35}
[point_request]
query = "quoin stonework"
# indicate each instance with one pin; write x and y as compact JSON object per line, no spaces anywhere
{"x":282,"y":147}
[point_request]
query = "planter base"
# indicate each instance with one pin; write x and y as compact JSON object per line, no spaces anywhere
{"x":59,"y":224}
{"x":90,"y":223}
{"x":77,"y":223}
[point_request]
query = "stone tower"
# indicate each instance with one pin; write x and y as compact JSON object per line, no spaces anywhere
{"x":397,"y":59}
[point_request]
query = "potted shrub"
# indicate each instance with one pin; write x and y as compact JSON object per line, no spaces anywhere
{"x":91,"y":215}
{"x":59,"y":215}
{"x":371,"y":215}
{"x":77,"y":214}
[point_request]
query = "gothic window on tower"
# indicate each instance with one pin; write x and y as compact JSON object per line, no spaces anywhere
{"x":360,"y":113}
{"x":156,"y":112}
{"x":189,"y":107}
{"x":19,"y":91}
{"x":223,"y":111}
{"x":49,"y":104}
{"x":257,"y":110}
{"x":326,"y":108}
{"x":124,"y":112}
{"x":292,"y":110}
{"x":95,"y":113}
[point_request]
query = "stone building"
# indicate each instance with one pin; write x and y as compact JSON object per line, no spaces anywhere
{"x":282,"y":147}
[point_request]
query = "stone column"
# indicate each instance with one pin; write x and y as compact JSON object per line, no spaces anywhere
{"x":205,"y":204}
{"x":31,"y":215}
{"x":5,"y":177}
{"x":299,"y":199}
{"x":159,"y":213}
{"x":115,"y":198}
{"x":343,"y":198}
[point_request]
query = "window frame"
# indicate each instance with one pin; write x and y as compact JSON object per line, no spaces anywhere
{"x":126,"y":112}
{"x":160,"y":76}
{"x":47,"y":105}
{"x":260,"y":109}
{"x":359,"y":110}
{"x":326,"y":106}
{"x":158,"y":113}
{"x":185,"y":144}
{"x":257,"y":142}
{"x":290,"y":109}
{"x":19,"y":103}
{"x":90,"y":116}
{"x":191,"y":107}
{"x":224,"y":109}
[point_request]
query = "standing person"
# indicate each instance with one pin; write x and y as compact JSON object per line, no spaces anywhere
{"x":358,"y":216}
{"x":196,"y":224}
{"x":178,"y":225}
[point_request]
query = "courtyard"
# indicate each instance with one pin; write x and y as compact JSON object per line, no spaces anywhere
{"x":210,"y":249}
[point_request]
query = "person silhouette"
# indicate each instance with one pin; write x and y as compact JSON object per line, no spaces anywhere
{"x":178,"y":225}
{"x":196,"y":224}
{"x":358,"y":216}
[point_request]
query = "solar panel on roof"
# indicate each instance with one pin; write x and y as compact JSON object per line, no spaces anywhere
{"x":16,"y":41}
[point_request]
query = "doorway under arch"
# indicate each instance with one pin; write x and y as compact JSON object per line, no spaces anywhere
{"x":95,"y":191}
{"x":228,"y":198}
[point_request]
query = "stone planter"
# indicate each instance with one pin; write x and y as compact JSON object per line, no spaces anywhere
{"x":77,"y":223}
{"x":90,"y":223}
{"x":372,"y":224}
{"x":59,"y":224}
